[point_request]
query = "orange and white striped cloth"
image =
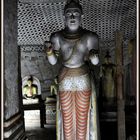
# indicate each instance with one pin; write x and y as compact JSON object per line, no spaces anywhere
{"x":77,"y":117}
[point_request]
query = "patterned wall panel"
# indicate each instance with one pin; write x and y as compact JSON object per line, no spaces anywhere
{"x":38,"y":19}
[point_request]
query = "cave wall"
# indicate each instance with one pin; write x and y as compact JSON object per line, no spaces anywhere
{"x":34,"y":62}
{"x":13,"y":118}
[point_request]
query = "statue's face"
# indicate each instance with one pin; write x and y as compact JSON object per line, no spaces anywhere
{"x":29,"y":82}
{"x":107,"y":60}
{"x":72,"y":19}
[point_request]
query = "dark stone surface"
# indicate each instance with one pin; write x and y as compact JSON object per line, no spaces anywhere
{"x":41,"y":133}
{"x":12,"y":108}
{"x":11,"y":95}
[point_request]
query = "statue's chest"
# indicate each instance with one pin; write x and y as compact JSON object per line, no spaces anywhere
{"x":29,"y":90}
{"x":78,"y":46}
{"x":108,"y":70}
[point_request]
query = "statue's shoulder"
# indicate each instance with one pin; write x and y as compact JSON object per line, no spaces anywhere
{"x":89,"y":33}
{"x":104,"y":65}
{"x":113,"y":65}
{"x":33,"y":85}
{"x":26,"y":86}
{"x":56,"y":35}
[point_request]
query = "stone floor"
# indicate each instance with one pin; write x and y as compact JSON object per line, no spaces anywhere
{"x":108,"y":131}
{"x":47,"y":133}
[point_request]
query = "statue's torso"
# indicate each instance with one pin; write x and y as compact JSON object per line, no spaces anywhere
{"x":30,"y":91}
{"x":108,"y":80}
{"x":108,"y":71}
{"x":74,"y":50}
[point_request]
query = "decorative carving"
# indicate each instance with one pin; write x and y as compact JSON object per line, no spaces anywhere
{"x":32,"y":48}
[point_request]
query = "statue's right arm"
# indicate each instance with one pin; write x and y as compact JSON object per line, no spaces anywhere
{"x":55,"y":46}
{"x":24,"y":91}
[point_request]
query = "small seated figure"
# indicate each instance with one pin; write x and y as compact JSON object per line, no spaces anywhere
{"x":108,"y":71}
{"x":30,"y":90}
{"x":53,"y":91}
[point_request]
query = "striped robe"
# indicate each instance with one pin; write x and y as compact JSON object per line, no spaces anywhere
{"x":77,"y":117}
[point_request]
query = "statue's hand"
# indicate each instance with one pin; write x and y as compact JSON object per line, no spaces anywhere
{"x":94,"y":57}
{"x":25,"y":95}
{"x":50,"y":52}
{"x":48,"y":47}
{"x":34,"y":96}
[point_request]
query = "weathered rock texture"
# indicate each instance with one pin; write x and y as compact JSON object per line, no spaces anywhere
{"x":13,"y":119}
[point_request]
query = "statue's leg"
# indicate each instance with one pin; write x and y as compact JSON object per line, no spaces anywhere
{"x":66,"y":101}
{"x":82,"y":107}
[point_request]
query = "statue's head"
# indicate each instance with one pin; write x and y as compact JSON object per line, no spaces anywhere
{"x":30,"y":81}
{"x":73,"y":4}
{"x":72,"y":15}
{"x":107,"y":58}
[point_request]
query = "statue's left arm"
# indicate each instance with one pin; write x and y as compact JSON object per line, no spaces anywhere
{"x":92,"y":44}
{"x":34,"y":90}
{"x":24,"y":90}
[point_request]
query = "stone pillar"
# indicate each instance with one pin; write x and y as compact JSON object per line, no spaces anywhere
{"x":13,"y":117}
{"x":133,"y":58}
{"x":119,"y":86}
